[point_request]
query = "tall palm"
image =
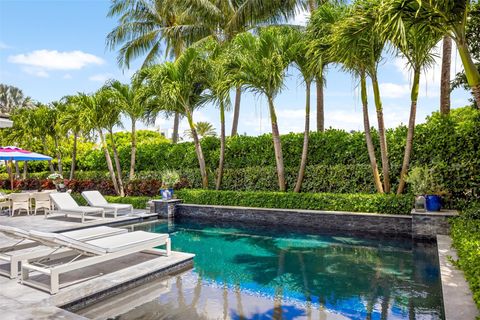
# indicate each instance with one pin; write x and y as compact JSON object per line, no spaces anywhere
{"x":111,"y":119}
{"x":218,"y":93}
{"x":445,"y":75}
{"x":146,"y":27}
{"x":298,"y":54}
{"x":417,"y":50}
{"x":12,"y":98}
{"x":359,"y":32}
{"x":178,"y":86}
{"x":93,"y":116}
{"x":127,"y":98}
{"x":447,"y":16}
{"x":260,"y":67}
{"x":355,"y":58}
{"x":72,"y":120}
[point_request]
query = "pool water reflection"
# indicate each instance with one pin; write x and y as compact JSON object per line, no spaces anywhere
{"x":264,"y":273}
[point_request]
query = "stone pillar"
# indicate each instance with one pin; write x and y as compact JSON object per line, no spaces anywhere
{"x":165,"y":208}
{"x":429,"y":224}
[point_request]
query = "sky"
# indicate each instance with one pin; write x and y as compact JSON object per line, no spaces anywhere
{"x":53,"y":48}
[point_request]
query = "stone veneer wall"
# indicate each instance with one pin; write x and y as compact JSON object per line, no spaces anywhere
{"x":361,"y":222}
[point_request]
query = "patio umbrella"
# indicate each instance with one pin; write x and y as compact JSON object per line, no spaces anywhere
{"x":14,"y":153}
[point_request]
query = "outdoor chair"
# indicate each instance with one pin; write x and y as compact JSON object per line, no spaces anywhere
{"x":20,"y":201}
{"x":66,"y":204}
{"x":96,"y":199}
{"x":42,"y":201}
{"x":87,"y":253}
{"x":4,"y":202}
{"x":27,"y":248}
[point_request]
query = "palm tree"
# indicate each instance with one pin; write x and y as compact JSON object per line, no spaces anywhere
{"x":417,"y":50}
{"x":298,"y":53}
{"x":12,"y":98}
{"x":259,"y":66}
{"x":204,"y":129}
{"x":111,"y":119}
{"x":447,"y":16}
{"x":127,"y":98}
{"x":93,"y":116}
{"x":445,"y":76}
{"x":354,"y":57}
{"x":145,"y":27}
{"x":359,"y":32}
{"x":178,"y":86}
{"x":71,"y":119}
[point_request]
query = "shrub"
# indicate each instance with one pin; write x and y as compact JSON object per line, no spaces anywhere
{"x":466,"y":239}
{"x":375,"y":203}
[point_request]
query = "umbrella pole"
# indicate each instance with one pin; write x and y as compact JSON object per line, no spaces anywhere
{"x":11,"y":174}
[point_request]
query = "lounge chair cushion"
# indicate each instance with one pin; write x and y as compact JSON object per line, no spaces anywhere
{"x":63,"y":200}
{"x":59,"y":240}
{"x":94,"y":198}
{"x":13,"y":232}
{"x":93,"y":233}
{"x":126,"y":241}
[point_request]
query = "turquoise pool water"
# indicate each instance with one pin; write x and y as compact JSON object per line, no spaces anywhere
{"x":266,"y":273}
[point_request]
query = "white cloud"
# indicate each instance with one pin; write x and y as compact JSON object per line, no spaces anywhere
{"x":36,"y":72}
{"x":101,"y":77}
{"x":393,"y":90}
{"x":56,"y":60}
{"x":301,"y":18}
{"x":67,"y":76}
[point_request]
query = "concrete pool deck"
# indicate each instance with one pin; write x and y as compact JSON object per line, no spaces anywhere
{"x":22,"y":302}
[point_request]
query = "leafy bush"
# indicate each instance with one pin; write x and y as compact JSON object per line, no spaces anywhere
{"x":466,"y":239}
{"x":375,"y":203}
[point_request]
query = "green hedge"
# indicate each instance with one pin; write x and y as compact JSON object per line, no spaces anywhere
{"x":374,"y":203}
{"x":466,"y":239}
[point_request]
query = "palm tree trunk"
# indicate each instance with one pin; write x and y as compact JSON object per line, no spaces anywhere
{"x":368,"y":135}
{"x":236,"y":110}
{"x":303,"y":162}
{"x":17,"y":170}
{"x":222,"y":147}
{"x":176,"y":122}
{"x":411,"y":131}
{"x":198,"y":150}
{"x":134,"y":150}
{"x":277,"y":145}
{"x":74,"y":155}
{"x":382,"y":135}
{"x":471,"y":72}
{"x":59,"y":156}
{"x":25,"y":169}
{"x":445,"y":76}
{"x":45,"y":151}
{"x":117,"y":165}
{"x":109,"y":161}
{"x":320,"y":106}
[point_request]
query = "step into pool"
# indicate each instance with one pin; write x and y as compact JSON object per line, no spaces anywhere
{"x":245,"y":272}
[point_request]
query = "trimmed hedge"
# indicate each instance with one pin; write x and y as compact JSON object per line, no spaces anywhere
{"x":466,"y":239}
{"x":374,"y":203}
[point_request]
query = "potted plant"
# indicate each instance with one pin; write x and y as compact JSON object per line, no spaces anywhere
{"x":424,"y":183}
{"x":169,"y":179}
{"x":57,"y":180}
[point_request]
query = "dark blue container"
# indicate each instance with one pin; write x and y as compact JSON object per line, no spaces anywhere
{"x":433,"y":202}
{"x":166,"y":194}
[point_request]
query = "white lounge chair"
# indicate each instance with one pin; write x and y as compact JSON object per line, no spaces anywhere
{"x":65,"y":203}
{"x":31,"y":249}
{"x":96,"y":199}
{"x":88,"y":253}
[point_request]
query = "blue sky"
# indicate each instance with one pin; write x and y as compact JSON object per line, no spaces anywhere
{"x":54,"y":48}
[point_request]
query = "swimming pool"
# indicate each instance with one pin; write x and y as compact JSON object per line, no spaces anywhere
{"x":245,"y":272}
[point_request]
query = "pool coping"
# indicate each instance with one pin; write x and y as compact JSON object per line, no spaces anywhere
{"x":458,"y":301}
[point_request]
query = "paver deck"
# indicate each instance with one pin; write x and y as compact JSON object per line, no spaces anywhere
{"x":22,"y":302}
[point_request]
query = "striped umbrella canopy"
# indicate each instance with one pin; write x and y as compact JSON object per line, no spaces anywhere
{"x":11,"y":154}
{"x":18,"y":154}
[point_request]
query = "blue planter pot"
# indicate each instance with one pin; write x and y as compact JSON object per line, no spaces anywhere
{"x":433,"y":202}
{"x":166,"y":194}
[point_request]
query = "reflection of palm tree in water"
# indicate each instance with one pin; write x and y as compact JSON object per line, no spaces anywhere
{"x":277,"y":304}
